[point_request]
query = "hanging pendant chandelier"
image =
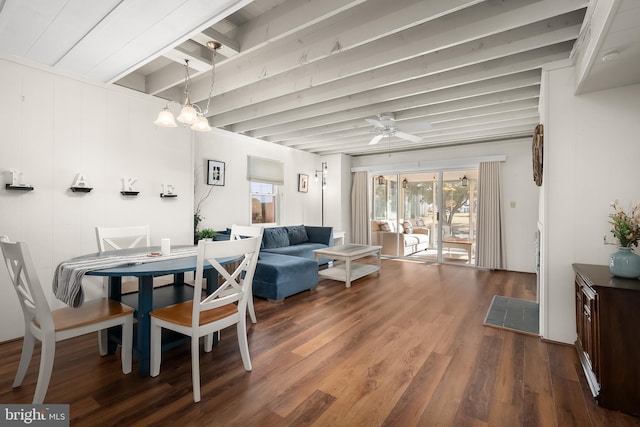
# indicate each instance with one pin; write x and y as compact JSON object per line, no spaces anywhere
{"x":191,"y":114}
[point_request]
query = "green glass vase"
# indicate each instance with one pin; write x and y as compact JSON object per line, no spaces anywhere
{"x":625,"y":263}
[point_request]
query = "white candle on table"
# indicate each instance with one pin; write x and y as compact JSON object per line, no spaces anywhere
{"x":165,"y":246}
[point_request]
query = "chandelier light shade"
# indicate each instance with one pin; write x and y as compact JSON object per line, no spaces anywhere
{"x":165,"y":119}
{"x":201,"y":125}
{"x":190,"y":114}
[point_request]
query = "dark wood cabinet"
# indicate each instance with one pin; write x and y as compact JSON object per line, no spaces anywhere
{"x":608,"y":336}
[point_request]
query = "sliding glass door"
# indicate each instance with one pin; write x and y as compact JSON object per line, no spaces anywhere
{"x":459,"y":201}
{"x":426,"y":215}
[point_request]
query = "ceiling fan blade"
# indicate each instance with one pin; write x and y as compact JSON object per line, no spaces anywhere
{"x":407,"y":136}
{"x":375,"y":123}
{"x":375,"y":139}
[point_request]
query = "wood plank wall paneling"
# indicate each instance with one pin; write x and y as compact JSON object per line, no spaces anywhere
{"x":405,"y":348}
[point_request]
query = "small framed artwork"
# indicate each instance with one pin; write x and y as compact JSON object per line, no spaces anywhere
{"x":215,"y":175}
{"x":303,"y":183}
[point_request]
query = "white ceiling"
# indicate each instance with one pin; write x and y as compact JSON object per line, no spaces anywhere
{"x":306,"y":73}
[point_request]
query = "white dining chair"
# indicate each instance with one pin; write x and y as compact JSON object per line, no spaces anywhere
{"x":224,"y":307}
{"x":48,"y":326}
{"x":238,"y":232}
{"x":114,"y":238}
{"x":127,"y":237}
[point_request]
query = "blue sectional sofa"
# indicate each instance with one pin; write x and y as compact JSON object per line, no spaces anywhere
{"x":286,"y":265}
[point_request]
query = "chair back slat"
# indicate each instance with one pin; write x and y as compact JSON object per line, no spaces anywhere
{"x":113,"y":238}
{"x":26,"y":283}
{"x":240,"y":231}
{"x":235,"y":285}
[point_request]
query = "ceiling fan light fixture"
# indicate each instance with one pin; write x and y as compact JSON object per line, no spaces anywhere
{"x":385,"y":125}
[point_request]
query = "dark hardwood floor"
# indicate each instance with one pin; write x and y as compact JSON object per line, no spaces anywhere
{"x":406,"y":348}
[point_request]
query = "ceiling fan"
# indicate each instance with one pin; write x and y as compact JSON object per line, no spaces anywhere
{"x":385,"y":125}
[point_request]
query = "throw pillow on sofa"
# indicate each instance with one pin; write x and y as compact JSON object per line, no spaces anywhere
{"x":408,"y":228}
{"x":297,"y":235}
{"x":276,"y":237}
{"x":384,"y":226}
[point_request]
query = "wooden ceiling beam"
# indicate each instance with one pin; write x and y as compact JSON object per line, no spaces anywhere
{"x":356,"y":28}
{"x":412,"y":119}
{"x":304,"y":70}
{"x":497,"y":132}
{"x":461,"y":124}
{"x":479,"y":51}
{"x":516,"y":86}
{"x":497,"y":67}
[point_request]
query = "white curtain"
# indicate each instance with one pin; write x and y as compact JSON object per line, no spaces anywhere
{"x":489,"y":243}
{"x":359,"y":212}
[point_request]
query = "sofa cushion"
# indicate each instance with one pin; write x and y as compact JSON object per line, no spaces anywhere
{"x":383,"y":226}
{"x":275,"y":237}
{"x":297,"y":235}
{"x":415,"y":239}
{"x":408,"y":228}
{"x":419,"y":222}
{"x":303,"y":250}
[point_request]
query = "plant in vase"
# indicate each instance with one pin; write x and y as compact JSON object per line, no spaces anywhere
{"x":206,"y":233}
{"x":626,"y":229}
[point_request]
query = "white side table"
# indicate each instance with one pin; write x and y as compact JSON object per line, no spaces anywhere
{"x":338,"y":238}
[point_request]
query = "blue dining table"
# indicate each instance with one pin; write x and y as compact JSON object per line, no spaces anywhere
{"x":148,"y":298}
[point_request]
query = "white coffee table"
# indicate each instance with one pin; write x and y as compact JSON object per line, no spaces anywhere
{"x":348,"y":271}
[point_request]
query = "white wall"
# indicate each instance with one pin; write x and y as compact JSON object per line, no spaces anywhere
{"x":518,"y":187}
{"x":337,"y":197}
{"x":230,"y":204}
{"x":54,"y":126}
{"x":591,"y":151}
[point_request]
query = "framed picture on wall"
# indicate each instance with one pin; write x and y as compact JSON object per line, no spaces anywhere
{"x":215,"y":175}
{"x":537,"y":153}
{"x":303,"y":183}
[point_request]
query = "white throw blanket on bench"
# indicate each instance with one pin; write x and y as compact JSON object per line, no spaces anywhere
{"x":67,"y":279}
